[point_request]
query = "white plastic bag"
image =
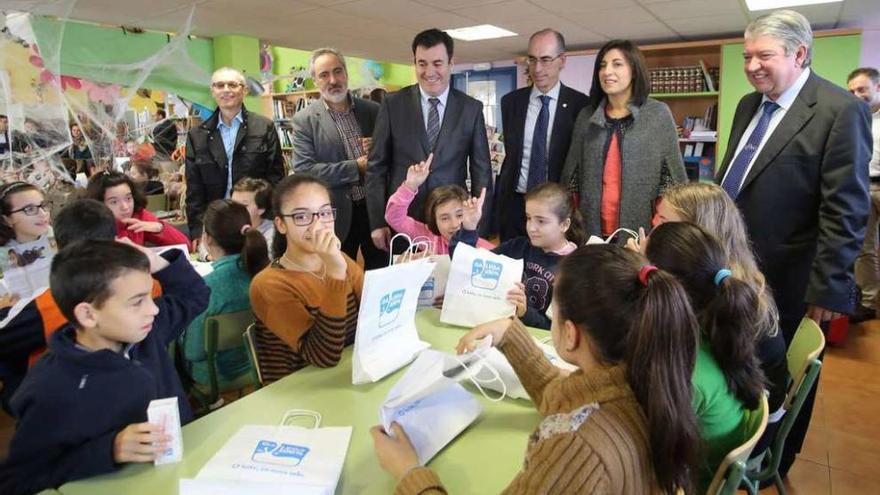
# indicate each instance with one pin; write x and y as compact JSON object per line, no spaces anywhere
{"x":386,"y":338}
{"x":479,"y":281}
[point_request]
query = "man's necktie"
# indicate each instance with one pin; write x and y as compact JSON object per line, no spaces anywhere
{"x":538,"y":155}
{"x":433,"y":122}
{"x":737,"y":171}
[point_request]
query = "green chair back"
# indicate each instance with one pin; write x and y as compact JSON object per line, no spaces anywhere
{"x":803,"y":366}
{"x":733,"y":468}
{"x":157,"y":202}
{"x":223,"y":332}
{"x":251,"y":350}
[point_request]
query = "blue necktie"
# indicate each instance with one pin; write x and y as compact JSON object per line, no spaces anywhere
{"x":737,"y":171}
{"x":538,"y":154}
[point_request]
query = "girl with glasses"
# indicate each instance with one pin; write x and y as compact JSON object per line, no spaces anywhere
{"x":26,"y":236}
{"x":307,"y":301}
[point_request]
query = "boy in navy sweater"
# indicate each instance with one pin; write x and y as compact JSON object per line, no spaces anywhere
{"x":82,"y":409}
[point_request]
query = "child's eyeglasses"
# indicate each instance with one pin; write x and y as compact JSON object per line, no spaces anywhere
{"x":31,"y":210}
{"x":306,"y":218}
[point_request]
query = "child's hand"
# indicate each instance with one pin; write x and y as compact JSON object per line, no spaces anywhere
{"x":517,"y":297}
{"x":495,"y":328}
{"x":639,"y":245}
{"x":156,"y":262}
{"x":136,"y":225}
{"x":327,"y":246}
{"x":396,"y":453}
{"x":473,"y":211}
{"x":417,"y":173}
{"x":139,"y":442}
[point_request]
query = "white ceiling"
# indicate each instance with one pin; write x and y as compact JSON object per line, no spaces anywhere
{"x":383,"y":29}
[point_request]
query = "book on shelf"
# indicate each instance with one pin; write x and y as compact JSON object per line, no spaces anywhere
{"x":285,"y":136}
{"x":683,"y":79}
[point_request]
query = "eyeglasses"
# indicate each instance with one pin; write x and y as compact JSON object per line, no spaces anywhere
{"x":306,"y":218}
{"x":226,"y":84}
{"x":31,"y":210}
{"x":542,"y":60}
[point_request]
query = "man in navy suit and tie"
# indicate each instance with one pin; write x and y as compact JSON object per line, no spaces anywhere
{"x":797,"y":167}
{"x":537,"y":123}
{"x":428,"y":117}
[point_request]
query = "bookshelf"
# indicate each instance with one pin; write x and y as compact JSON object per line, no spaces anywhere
{"x":281,"y":107}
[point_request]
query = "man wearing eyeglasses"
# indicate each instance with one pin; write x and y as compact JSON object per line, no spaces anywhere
{"x":538,"y":122}
{"x":331,"y":139}
{"x":232,"y":144}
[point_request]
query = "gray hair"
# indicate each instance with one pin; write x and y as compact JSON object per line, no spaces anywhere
{"x":324,"y":51}
{"x":787,"y":26}
{"x":236,"y":73}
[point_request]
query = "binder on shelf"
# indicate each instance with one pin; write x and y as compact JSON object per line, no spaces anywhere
{"x":710,"y":86}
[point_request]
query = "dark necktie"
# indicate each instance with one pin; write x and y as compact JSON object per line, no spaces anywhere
{"x":538,"y":154}
{"x":737,"y":171}
{"x":433,"y":122}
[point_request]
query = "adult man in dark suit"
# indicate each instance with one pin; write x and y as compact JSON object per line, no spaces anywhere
{"x":797,"y":167}
{"x":330,"y":140}
{"x":5,"y":142}
{"x":529,"y":163}
{"x":428,"y":117}
{"x":232,"y":144}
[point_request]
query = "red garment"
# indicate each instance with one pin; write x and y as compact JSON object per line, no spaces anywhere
{"x":168,"y":236}
{"x":611,"y":186}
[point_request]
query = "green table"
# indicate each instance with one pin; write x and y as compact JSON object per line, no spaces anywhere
{"x":483,"y":459}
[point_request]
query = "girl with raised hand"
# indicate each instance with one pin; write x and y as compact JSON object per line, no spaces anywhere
{"x":554,"y":229}
{"x":306,"y":302}
{"x":444,"y":208}
{"x":623,"y":422}
{"x":129,"y":206}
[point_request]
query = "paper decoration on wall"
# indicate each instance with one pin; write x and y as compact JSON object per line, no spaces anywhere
{"x":298,"y":77}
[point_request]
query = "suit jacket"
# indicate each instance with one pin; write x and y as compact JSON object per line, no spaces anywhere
{"x":256,"y":154}
{"x":805,"y":199}
{"x":400,"y":140}
{"x":318,"y":149}
{"x":514,"y":107}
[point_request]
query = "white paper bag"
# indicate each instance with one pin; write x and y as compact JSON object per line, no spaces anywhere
{"x":292,"y":456}
{"x":435,"y":285}
{"x":431,"y":408}
{"x":386,"y":338}
{"x":479,"y":281}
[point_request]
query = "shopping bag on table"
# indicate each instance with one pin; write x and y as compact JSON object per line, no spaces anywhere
{"x":422,"y":247}
{"x":386,"y":338}
{"x":298,"y":459}
{"x":479,"y":281}
{"x":430,"y":404}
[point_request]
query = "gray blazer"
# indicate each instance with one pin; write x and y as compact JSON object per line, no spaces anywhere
{"x":462,"y":149}
{"x":318,"y":150}
{"x":651,"y":163}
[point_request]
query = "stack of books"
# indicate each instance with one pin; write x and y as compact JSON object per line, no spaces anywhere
{"x":683,"y":79}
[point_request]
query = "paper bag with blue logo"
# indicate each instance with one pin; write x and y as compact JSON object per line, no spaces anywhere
{"x":299,"y":460}
{"x":479,"y":281}
{"x":386,"y":338}
{"x":431,"y":407}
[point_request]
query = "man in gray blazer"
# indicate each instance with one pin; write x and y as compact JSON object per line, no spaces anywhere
{"x":428,"y":117}
{"x":797,"y":167}
{"x":331,"y":139}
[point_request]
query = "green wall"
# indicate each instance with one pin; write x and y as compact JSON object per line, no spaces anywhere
{"x":86,"y":48}
{"x":834,"y":57}
{"x":395,"y":75}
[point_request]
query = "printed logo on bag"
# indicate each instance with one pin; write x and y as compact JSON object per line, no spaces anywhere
{"x":427,"y":292}
{"x":389,"y":307}
{"x":486,"y":274}
{"x":282,"y":454}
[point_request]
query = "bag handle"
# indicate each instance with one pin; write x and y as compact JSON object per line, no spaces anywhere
{"x":391,"y":247}
{"x":295,"y":413}
{"x":474,"y":378}
{"x":426,"y":241}
{"x":631,"y":232}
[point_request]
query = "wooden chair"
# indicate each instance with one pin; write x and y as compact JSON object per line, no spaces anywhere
{"x":730,"y":473}
{"x":803,"y":366}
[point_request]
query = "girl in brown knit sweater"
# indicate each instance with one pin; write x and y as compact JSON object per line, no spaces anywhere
{"x":306,"y":302}
{"x":621,"y":424}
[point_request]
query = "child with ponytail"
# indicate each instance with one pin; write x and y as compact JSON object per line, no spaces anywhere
{"x":239,"y":252}
{"x":728,"y":378}
{"x":623,"y":422}
{"x":554,"y":229}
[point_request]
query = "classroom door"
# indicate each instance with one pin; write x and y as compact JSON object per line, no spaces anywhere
{"x":488,"y":86}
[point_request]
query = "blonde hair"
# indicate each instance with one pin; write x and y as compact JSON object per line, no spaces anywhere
{"x":709,"y":206}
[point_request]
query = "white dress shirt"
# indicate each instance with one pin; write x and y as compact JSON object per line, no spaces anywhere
{"x":426,"y":105}
{"x":874,"y":169}
{"x":529,"y":131}
{"x":785,"y":100}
